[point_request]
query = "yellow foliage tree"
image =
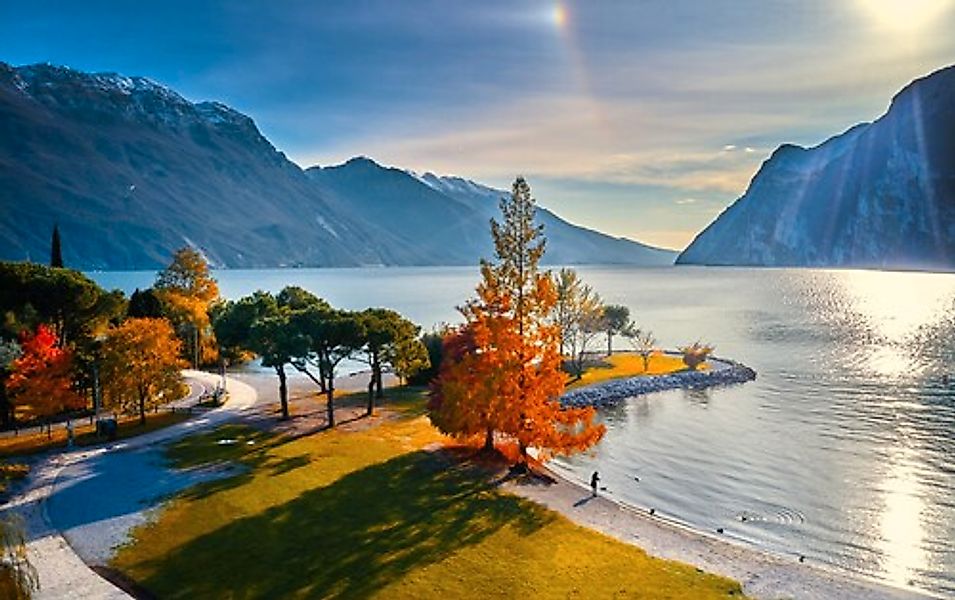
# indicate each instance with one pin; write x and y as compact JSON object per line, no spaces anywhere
{"x":140,"y":367}
{"x":188,"y":291}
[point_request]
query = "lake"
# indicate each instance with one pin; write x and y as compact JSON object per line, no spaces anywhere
{"x":843,"y":449}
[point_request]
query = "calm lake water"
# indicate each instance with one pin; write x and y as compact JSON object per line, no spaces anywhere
{"x":843,"y":450}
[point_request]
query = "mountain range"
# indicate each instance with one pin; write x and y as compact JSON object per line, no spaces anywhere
{"x":880,"y":195}
{"x":130,"y":171}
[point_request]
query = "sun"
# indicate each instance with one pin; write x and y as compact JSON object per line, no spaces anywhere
{"x":905,"y":15}
{"x":559,"y":15}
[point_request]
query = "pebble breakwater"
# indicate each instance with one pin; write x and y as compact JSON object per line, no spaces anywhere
{"x":606,"y":393}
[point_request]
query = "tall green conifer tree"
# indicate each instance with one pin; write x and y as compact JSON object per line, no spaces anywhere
{"x":56,"y":253}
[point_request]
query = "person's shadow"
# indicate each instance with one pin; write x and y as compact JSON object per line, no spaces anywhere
{"x":584,"y":500}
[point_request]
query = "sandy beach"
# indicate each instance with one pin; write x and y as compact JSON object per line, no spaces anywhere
{"x":762,"y":575}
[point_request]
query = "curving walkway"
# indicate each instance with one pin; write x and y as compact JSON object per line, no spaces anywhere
{"x":54,"y":545}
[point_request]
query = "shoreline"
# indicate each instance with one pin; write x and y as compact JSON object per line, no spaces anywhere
{"x":607,"y":393}
{"x":761,"y":572}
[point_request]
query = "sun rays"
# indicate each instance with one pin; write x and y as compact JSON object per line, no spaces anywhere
{"x":904,"y":16}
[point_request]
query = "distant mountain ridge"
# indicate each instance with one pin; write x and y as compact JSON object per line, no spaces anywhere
{"x":463,"y":208}
{"x":131,"y":170}
{"x":880,"y":195}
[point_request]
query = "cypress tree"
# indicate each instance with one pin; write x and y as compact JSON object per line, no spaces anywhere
{"x":56,"y":254}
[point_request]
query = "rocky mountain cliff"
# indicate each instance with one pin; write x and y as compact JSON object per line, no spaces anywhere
{"x":880,"y":195}
{"x":131,"y":170}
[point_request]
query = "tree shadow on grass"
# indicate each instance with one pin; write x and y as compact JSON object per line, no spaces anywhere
{"x":248,"y":451}
{"x":285,"y":465}
{"x":349,"y":539}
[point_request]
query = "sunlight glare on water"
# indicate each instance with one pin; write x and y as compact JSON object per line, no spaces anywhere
{"x":843,"y":448}
{"x":901,"y":533}
{"x":896,"y":305}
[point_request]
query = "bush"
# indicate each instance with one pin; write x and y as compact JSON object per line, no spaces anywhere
{"x":433,"y":342}
{"x":696,"y":354}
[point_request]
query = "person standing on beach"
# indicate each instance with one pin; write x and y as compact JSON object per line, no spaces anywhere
{"x":594,"y":479}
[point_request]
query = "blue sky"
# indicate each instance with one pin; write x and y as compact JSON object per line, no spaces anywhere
{"x":642,"y":118}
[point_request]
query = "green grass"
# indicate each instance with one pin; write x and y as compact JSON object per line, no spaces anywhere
{"x":369,"y":513}
{"x":407,"y":401}
{"x":84,"y":435}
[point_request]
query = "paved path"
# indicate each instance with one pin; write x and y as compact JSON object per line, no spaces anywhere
{"x":197,"y":387}
{"x":62,"y":573}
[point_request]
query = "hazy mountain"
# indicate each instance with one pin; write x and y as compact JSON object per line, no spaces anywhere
{"x":131,"y":170}
{"x":448,"y":216}
{"x":882,"y":194}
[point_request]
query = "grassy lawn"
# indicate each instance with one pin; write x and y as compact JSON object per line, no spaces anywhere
{"x":370,"y":513}
{"x":629,"y":364}
{"x":407,"y":401}
{"x":84,"y":434}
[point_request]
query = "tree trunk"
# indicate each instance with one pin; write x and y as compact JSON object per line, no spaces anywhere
{"x":283,"y":390}
{"x":195,"y":346}
{"x":489,"y":440}
{"x":142,"y":408}
{"x":330,"y":394}
{"x":609,"y":344}
{"x":374,"y":382}
{"x":303,"y":369}
{"x":371,"y":395}
{"x":379,"y":388}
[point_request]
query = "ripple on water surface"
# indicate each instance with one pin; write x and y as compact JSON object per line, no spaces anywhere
{"x":849,"y":425}
{"x":842,"y":450}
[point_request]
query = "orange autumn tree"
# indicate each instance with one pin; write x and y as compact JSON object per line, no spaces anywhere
{"x":41,"y":381}
{"x":502,"y":369}
{"x":140,"y":367}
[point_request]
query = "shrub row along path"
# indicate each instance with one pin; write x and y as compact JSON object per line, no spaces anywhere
{"x":60,"y":519}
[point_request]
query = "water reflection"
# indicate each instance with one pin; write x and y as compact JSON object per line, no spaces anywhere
{"x":699,"y":398}
{"x":891,"y":362}
{"x":896,"y":305}
{"x":901,"y":533}
{"x":843,"y":448}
